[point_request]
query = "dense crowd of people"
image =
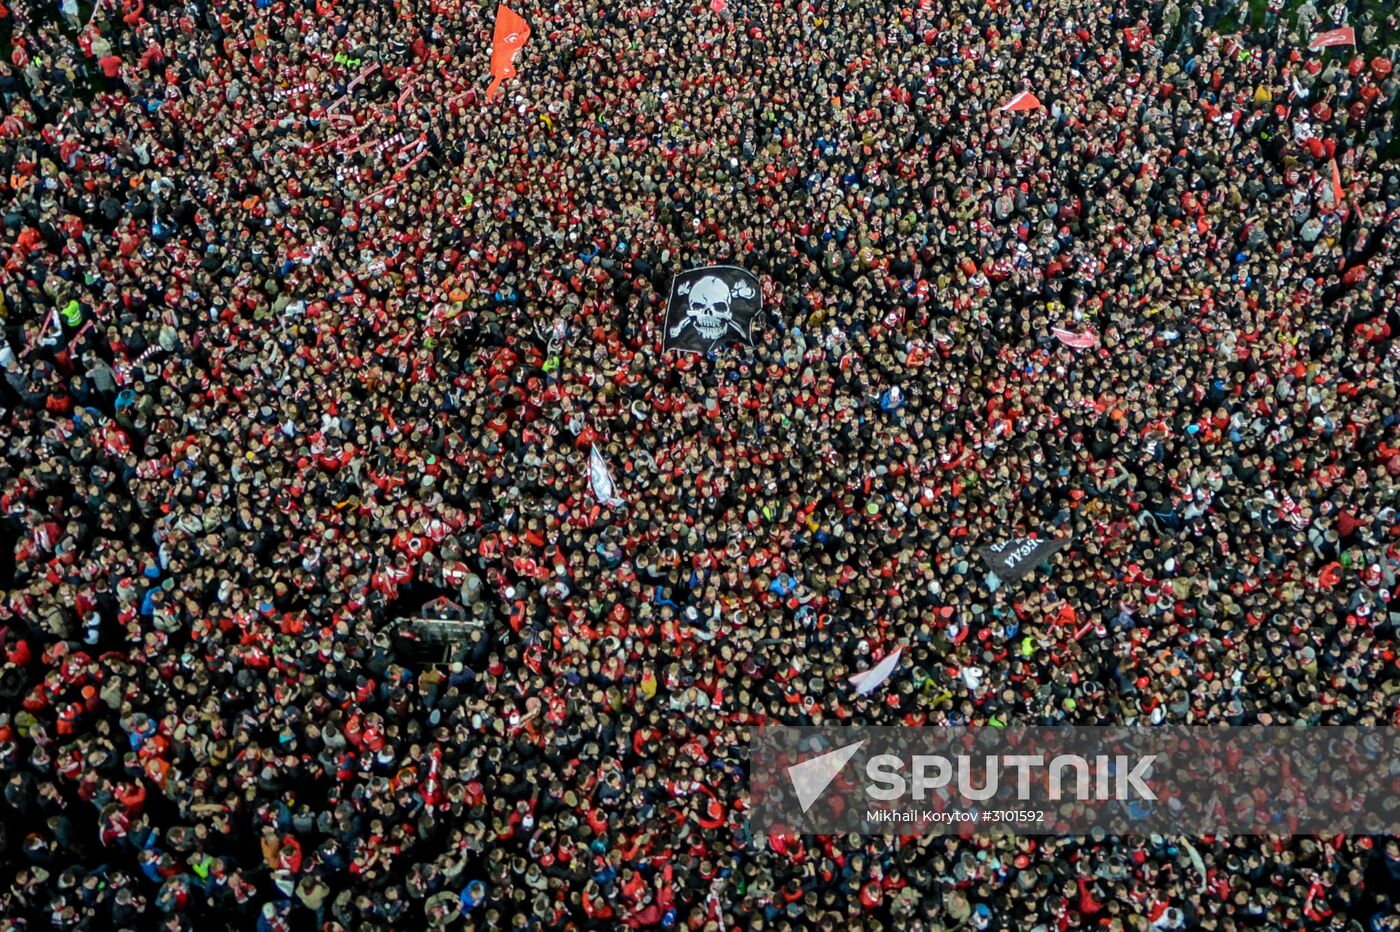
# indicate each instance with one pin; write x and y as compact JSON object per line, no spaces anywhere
{"x":301,"y":331}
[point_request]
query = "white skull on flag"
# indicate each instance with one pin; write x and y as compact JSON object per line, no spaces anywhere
{"x":710,"y":306}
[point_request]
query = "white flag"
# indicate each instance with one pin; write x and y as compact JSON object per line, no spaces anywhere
{"x":867,"y":681}
{"x":602,"y":479}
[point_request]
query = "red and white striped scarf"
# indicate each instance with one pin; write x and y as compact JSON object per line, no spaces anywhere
{"x":1290,"y":509}
{"x":296,"y":90}
{"x":394,"y":140}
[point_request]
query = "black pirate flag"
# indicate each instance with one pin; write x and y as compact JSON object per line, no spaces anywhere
{"x":710,"y":305}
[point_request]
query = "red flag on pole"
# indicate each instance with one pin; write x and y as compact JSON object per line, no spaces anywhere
{"x":1338,"y":192}
{"x":718,"y":6}
{"x":1022,"y":101}
{"x":507,"y":41}
{"x":1344,"y":36}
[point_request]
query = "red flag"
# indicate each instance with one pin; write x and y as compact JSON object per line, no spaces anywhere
{"x":507,"y":41}
{"x":1338,"y":192}
{"x":1344,"y":36}
{"x":718,"y":6}
{"x":1077,"y":340}
{"x":1022,"y":101}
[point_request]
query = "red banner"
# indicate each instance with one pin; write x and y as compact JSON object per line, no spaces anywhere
{"x":1338,"y":192}
{"x":1344,"y":36}
{"x":1022,"y":101}
{"x":1077,"y":340}
{"x":509,"y":38}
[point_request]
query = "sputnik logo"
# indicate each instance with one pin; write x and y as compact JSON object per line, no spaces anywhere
{"x":811,"y":777}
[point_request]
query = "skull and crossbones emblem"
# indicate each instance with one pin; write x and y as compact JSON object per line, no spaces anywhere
{"x":710,"y":309}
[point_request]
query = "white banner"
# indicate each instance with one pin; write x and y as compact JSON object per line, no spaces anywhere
{"x":601,"y":478}
{"x":866,"y":682}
